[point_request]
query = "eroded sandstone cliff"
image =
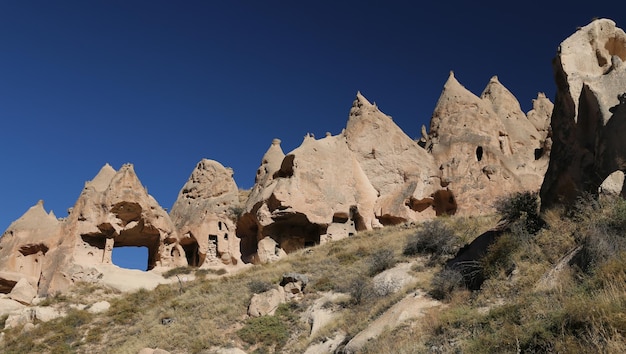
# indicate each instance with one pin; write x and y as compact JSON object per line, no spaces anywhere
{"x":589,"y":112}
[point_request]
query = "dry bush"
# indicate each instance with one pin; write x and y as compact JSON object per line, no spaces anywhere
{"x":259,"y":286}
{"x":521,"y":206}
{"x":434,"y":239}
{"x":445,"y":283}
{"x":381,"y":260}
{"x":178,"y":271}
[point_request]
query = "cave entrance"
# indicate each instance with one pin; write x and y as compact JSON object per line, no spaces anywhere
{"x":191,"y":253}
{"x":130,"y":257}
{"x":479,"y":153}
{"x":295,"y":231}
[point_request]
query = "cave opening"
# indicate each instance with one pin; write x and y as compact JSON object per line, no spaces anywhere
{"x":131,"y":257}
{"x":191,"y":253}
{"x":479,"y":153}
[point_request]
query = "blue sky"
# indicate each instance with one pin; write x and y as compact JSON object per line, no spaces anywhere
{"x":163,"y":84}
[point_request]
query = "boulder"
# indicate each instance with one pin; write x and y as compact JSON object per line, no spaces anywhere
{"x":99,"y":307}
{"x":392,"y":280}
{"x":153,"y":351}
{"x":266,"y":302}
{"x":328,"y":345}
{"x":294,"y":284}
{"x":8,"y":306}
{"x":45,"y":313}
{"x":589,"y":113}
{"x":612,"y":184}
{"x":23,"y":292}
{"x":319,"y":314}
{"x":411,"y":307}
{"x":227,"y":351}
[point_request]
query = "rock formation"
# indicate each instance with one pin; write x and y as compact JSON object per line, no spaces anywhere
{"x":115,"y":210}
{"x":395,"y":165}
{"x":25,"y":245}
{"x":319,"y":192}
{"x":589,"y":113}
{"x":486,"y":147}
{"x":373,"y":174}
{"x":201,"y":216}
{"x":370,"y":175}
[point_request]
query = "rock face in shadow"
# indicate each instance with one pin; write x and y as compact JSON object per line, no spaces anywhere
{"x":202,"y":215}
{"x":588,"y":122}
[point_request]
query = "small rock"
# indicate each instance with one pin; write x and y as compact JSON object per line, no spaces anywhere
{"x":166,"y":321}
{"x":99,"y":307}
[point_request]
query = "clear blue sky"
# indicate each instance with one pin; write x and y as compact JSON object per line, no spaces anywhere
{"x":162,"y":84}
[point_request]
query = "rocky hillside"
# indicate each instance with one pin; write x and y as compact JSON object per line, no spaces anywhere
{"x":560,"y":289}
{"x":397,"y":211}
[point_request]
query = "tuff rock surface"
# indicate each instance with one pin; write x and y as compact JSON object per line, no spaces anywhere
{"x":486,"y":147}
{"x":115,"y":210}
{"x":201,"y":216}
{"x":588,"y":121}
{"x":373,"y":174}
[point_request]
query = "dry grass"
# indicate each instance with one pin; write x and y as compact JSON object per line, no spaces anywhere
{"x":580,"y":311}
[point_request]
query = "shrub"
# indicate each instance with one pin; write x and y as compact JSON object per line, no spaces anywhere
{"x":381,"y":260}
{"x":603,"y":238}
{"x":434,"y":239}
{"x":521,"y":206}
{"x":124,"y":310}
{"x":360,"y":290}
{"x":323,"y":283}
{"x":445,"y":283}
{"x":259,"y":286}
{"x":266,"y":330}
{"x":202,"y":273}
{"x":177,"y":271}
{"x":499,"y":255}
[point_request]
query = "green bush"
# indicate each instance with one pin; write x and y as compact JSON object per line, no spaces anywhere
{"x":434,"y":239}
{"x":266,"y":330}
